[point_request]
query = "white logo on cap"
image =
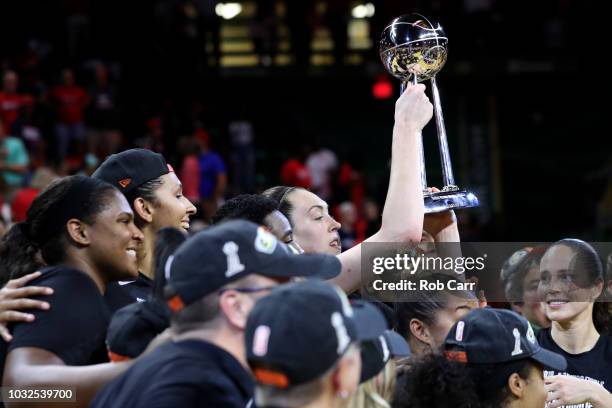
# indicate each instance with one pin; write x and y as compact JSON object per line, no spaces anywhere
{"x":347,"y":309}
{"x":385,"y":348}
{"x":230,"y":249}
{"x":342,"y":336}
{"x":261,"y":337}
{"x":264,"y":241}
{"x":459,"y":330}
{"x":530,"y":334}
{"x":167,"y":266}
{"x":517,"y":342}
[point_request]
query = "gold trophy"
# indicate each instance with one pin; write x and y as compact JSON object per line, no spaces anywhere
{"x":414,"y":49}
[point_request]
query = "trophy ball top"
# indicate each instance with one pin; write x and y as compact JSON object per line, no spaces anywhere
{"x":413,"y":45}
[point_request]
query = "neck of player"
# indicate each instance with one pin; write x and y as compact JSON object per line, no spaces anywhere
{"x":146,"y":261}
{"x":577,"y":335}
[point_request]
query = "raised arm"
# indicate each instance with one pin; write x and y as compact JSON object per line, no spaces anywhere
{"x":402,"y":218}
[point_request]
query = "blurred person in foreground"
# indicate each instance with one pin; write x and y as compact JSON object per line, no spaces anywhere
{"x":379,"y":370}
{"x":133,"y":327}
{"x":215,"y":279}
{"x":490,"y":359}
{"x":280,"y":336}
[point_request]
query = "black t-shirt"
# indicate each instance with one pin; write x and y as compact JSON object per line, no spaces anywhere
{"x":121,"y":294}
{"x":594,"y":365}
{"x":74,"y":328}
{"x":186,"y":374}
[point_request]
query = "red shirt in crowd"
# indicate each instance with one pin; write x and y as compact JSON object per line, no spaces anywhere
{"x":295,"y":173}
{"x":10,"y":106}
{"x":22,"y":202}
{"x":70,"y":101}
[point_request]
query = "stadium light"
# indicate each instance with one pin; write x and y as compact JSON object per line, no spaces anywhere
{"x":363,"y":11}
{"x":228,"y":10}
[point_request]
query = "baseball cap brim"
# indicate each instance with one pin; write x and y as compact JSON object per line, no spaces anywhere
{"x":549,"y":359}
{"x":370,"y":323}
{"x":318,"y":266}
{"x":373,"y":357}
{"x":398,"y":347}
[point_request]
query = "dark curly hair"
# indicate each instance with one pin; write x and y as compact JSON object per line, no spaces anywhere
{"x":251,"y":207}
{"x":41,"y":239}
{"x":434,"y":381}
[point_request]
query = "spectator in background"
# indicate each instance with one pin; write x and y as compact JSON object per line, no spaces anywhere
{"x":14,"y":161}
{"x":69,"y":100}
{"x":350,"y":185}
{"x":190,"y":169}
{"x":11,"y":102}
{"x":213,"y":176}
{"x":102,"y":114}
{"x":520,"y":276}
{"x":154,"y":139}
{"x":24,"y":197}
{"x":371,"y":213}
{"x":294,"y":172}
{"x":242,"y":156}
{"x":321,"y":163}
{"x":347,"y":217}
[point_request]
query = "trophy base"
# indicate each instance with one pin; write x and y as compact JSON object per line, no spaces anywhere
{"x":449,"y":199}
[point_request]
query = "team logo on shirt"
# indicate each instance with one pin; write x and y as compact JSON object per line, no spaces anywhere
{"x":530,"y":334}
{"x":264,"y":241}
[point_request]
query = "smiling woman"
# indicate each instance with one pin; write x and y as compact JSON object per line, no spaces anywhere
{"x":81,"y":232}
{"x":156,"y":196}
{"x":571,"y":286}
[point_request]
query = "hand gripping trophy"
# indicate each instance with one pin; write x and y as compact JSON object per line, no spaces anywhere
{"x":413,"y":48}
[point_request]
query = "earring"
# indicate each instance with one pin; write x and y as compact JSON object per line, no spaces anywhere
{"x":343,"y":394}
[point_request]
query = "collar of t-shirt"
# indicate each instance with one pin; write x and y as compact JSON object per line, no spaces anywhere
{"x":139,"y":289}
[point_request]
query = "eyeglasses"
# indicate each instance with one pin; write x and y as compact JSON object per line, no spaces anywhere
{"x":247,"y":290}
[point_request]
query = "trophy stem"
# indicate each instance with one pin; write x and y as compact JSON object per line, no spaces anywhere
{"x":420,"y":141}
{"x":447,"y":169}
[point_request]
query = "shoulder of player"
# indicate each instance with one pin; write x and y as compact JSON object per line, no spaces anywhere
{"x":62,"y":276}
{"x":207,"y":362}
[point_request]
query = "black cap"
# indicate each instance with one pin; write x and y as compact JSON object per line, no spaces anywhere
{"x":299,"y":331}
{"x":134,"y":326}
{"x":491,"y":336}
{"x":132,"y":168}
{"x":375,"y":354}
{"x":230,"y":251}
